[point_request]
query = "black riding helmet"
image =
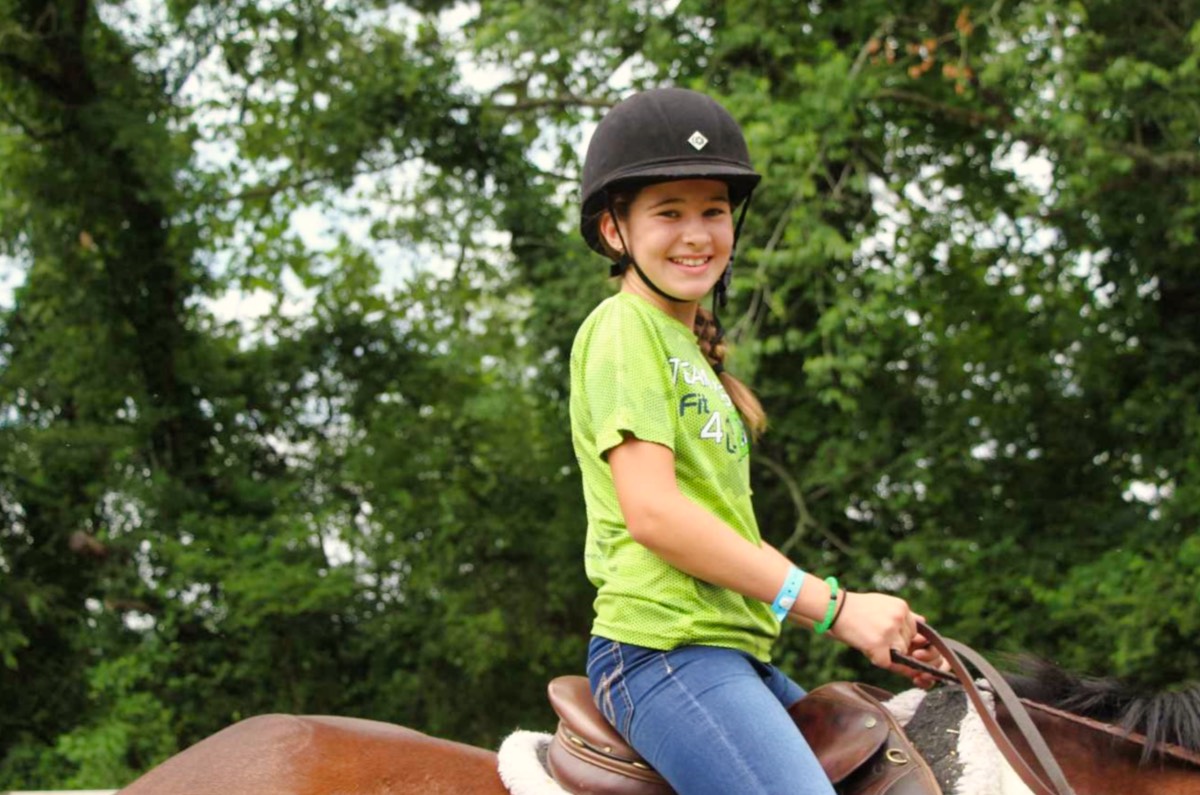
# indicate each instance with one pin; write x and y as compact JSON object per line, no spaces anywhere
{"x":662,"y":135}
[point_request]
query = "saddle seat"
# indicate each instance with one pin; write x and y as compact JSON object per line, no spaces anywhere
{"x":861,"y":747}
{"x":587,"y":754}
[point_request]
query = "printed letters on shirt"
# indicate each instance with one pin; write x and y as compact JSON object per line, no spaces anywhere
{"x":721,"y":425}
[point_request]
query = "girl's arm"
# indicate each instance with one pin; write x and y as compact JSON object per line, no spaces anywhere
{"x":692,"y":539}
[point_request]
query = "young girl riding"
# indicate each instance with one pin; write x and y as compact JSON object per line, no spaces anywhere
{"x":689,"y":596}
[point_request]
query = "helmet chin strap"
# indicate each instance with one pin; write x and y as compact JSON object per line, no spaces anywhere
{"x":619,"y":267}
{"x":625,"y":261}
{"x":720,"y":290}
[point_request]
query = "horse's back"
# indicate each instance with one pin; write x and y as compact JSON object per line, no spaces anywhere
{"x":321,"y":755}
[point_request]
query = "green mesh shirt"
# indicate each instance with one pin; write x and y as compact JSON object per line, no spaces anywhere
{"x":637,"y":371}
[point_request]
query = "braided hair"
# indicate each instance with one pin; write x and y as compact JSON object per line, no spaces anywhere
{"x":710,"y":336}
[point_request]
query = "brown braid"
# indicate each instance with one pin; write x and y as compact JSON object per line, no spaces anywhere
{"x":711,"y":339}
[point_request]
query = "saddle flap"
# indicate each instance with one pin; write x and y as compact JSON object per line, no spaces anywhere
{"x":844,"y":727}
{"x":571,"y":697}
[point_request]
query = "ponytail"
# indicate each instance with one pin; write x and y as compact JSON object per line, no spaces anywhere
{"x":711,"y":339}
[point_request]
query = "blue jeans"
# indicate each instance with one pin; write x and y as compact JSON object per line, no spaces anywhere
{"x":708,"y":719}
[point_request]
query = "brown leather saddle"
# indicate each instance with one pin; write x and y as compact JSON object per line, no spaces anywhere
{"x":861,"y":747}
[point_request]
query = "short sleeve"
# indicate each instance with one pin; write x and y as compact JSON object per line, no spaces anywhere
{"x":627,"y":381}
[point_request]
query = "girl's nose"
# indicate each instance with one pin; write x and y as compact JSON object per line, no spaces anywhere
{"x":696,"y":232}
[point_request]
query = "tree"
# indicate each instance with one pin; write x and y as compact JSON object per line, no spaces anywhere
{"x":211,"y":555}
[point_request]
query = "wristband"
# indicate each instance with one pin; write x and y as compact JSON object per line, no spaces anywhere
{"x":841,"y":607}
{"x":827,"y":622}
{"x":787,"y":594}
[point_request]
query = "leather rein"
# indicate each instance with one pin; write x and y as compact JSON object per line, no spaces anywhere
{"x":1051,"y":781}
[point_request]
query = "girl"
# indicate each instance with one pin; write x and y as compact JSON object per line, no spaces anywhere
{"x":689,"y":597}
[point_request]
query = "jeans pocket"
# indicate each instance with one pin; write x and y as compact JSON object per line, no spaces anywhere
{"x":602,"y":657}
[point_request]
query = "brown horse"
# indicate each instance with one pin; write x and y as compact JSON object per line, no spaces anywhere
{"x":320,"y":755}
{"x":317,"y":755}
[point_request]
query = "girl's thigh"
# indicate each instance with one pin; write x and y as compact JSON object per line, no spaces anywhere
{"x":710,"y":720}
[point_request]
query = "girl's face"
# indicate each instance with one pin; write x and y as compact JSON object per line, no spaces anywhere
{"x":680,"y":234}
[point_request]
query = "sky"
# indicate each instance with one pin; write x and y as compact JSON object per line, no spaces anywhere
{"x":11,"y":275}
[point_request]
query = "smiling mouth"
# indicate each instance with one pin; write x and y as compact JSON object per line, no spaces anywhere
{"x":690,"y":262}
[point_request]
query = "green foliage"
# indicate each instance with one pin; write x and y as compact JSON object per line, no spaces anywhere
{"x":1141,"y":604}
{"x":967,"y":294}
{"x":134,"y":729}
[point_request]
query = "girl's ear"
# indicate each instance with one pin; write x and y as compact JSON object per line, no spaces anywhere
{"x":608,"y":231}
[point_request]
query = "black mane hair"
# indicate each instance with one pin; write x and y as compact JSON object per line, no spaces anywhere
{"x":1170,"y":716}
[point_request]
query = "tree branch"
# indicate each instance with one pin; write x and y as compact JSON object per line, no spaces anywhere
{"x":79,"y":18}
{"x":971,"y":118}
{"x":27,"y":71}
{"x":1166,"y":21}
{"x":186,"y":72}
{"x":804,"y":519}
{"x":26,"y":482}
{"x":1173,"y":162}
{"x":206,"y":42}
{"x":25,"y":126}
{"x":1170,"y":162}
{"x":271,"y":191}
{"x":556,"y":103}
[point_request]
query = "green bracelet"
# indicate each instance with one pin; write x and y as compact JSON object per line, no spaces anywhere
{"x":827,"y":622}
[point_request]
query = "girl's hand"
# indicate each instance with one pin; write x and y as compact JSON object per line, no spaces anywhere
{"x":921,"y":651}
{"x":876,"y":624}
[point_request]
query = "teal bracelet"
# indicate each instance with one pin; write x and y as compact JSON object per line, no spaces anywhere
{"x":787,"y":594}
{"x":827,"y":622}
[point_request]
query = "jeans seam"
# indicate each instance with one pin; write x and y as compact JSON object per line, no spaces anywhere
{"x":603,"y":697}
{"x":747,"y":770}
{"x":599,"y":656}
{"x":623,"y":688}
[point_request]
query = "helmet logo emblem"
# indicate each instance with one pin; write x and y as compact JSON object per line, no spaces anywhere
{"x":698,"y":140}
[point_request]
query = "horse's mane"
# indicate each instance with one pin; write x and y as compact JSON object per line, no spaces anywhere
{"x":1169,"y":716}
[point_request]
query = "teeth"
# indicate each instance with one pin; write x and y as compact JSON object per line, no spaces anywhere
{"x":690,"y":261}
